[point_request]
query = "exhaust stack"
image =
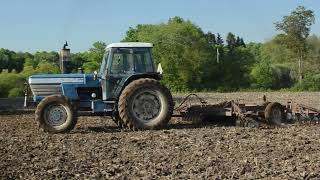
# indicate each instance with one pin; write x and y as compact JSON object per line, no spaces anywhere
{"x":65,"y":59}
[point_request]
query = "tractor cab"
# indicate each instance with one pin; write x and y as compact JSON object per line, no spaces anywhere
{"x":122,"y":63}
{"x":127,"y":58}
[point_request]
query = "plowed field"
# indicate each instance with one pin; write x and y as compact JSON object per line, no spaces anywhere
{"x":96,"y":148}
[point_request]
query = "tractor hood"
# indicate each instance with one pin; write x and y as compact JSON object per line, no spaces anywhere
{"x":60,"y":84}
{"x":63,"y":78}
{"x":57,"y":78}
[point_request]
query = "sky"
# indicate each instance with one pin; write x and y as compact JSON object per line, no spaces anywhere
{"x":44,"y":25}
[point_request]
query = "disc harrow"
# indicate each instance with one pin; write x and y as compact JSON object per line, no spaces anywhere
{"x":272,"y":114}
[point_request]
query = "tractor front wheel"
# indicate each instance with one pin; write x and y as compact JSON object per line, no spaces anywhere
{"x":145,"y":104}
{"x":55,"y":114}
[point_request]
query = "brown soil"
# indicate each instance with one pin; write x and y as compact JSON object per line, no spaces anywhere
{"x":96,"y":148}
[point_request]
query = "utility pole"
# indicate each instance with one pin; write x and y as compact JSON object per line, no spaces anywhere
{"x":218,"y":54}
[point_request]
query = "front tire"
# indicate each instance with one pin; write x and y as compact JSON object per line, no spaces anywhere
{"x":145,"y":104}
{"x":55,"y":114}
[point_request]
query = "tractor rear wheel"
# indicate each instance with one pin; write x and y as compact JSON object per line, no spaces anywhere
{"x":117,"y":120}
{"x":55,"y":114}
{"x":145,"y":104}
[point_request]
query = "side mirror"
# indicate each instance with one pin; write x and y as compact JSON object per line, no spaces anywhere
{"x":159,"y":70}
{"x":95,"y":75}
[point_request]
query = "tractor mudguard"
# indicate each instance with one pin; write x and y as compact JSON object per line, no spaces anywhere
{"x":155,"y":76}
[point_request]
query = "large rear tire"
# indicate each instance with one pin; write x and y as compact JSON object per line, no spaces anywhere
{"x":55,"y":114}
{"x":145,"y":104}
{"x":117,"y":120}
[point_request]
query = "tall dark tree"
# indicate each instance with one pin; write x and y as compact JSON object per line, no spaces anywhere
{"x":240,"y":42}
{"x":4,"y":59}
{"x":211,"y":39}
{"x":17,"y":61}
{"x":231,"y":41}
{"x":219,"y":40}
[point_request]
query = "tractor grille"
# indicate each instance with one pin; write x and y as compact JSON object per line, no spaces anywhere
{"x":46,"y":89}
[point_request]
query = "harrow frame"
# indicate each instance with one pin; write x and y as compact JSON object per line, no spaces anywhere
{"x":252,"y":115}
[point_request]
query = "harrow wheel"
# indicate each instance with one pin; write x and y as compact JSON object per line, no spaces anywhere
{"x":145,"y":104}
{"x":274,"y":114}
{"x":194,"y":115}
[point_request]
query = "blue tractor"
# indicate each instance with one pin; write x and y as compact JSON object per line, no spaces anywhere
{"x":126,"y":87}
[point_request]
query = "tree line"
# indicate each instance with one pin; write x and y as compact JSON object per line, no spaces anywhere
{"x":194,"y":60}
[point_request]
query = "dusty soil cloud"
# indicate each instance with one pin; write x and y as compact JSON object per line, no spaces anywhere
{"x":98,"y":149}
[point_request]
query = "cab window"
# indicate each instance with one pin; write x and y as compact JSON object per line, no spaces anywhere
{"x":131,"y":60}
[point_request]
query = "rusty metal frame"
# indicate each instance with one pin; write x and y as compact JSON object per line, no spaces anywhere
{"x":243,"y":111}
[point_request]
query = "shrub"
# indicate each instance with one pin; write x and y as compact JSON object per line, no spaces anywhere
{"x":309,"y":83}
{"x":262,"y":75}
{"x":9,"y":81}
{"x":16,"y":92}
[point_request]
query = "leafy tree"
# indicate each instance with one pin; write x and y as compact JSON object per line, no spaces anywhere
{"x":41,"y":68}
{"x":77,"y":61}
{"x":28,"y":71}
{"x":262,"y":75}
{"x":132,"y":33}
{"x":30,"y":62}
{"x":183,"y":50}
{"x":46,"y":57}
{"x":94,"y":57}
{"x":311,"y":83}
{"x":96,"y":53}
{"x":296,"y":27}
{"x":47,"y":68}
{"x":312,"y":62}
{"x":90,"y":67}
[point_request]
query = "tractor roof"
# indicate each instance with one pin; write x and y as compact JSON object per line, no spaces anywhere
{"x":130,"y":44}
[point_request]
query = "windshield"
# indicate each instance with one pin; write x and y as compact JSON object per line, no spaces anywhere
{"x":104,"y":62}
{"x":131,"y":60}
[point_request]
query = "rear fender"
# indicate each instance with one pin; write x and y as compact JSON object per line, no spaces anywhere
{"x":155,"y":76}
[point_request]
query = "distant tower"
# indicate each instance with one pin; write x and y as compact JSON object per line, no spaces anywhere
{"x":65,"y":59}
